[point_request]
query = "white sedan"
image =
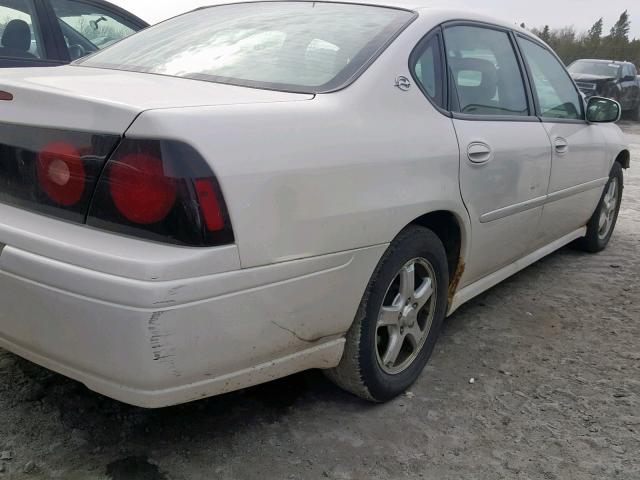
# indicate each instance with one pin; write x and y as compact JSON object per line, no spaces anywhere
{"x":255,"y":189}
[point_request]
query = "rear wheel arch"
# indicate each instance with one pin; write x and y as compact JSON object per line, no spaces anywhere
{"x":624,"y":159}
{"x":452,"y":232}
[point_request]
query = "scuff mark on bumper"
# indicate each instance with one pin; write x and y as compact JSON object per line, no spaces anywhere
{"x":163,"y":351}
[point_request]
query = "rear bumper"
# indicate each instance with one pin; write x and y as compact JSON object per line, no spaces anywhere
{"x":160,"y":343}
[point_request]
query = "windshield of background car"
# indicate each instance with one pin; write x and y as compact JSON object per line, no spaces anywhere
{"x":309,"y":47}
{"x":595,"y":68}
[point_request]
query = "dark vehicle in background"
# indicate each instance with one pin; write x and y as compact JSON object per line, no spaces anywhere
{"x":39,"y":33}
{"x":610,"y":79}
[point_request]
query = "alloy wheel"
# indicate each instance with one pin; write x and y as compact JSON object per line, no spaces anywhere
{"x":406,"y":316}
{"x":609,"y":210}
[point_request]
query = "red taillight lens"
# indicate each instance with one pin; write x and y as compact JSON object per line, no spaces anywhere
{"x":161,"y":190}
{"x":50,"y":171}
{"x":61,"y":173}
{"x":211,"y":210}
{"x":140,"y":188}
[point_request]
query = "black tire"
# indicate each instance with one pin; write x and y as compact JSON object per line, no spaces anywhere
{"x":594,"y":241}
{"x":360,"y":371}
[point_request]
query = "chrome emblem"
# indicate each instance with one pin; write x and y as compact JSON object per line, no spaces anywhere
{"x":403,"y":83}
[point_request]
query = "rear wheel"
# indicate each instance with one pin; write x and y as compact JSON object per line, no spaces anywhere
{"x":601,"y":226}
{"x":399,"y":319}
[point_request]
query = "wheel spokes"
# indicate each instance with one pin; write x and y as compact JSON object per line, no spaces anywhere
{"x":609,"y":209}
{"x":408,"y":281}
{"x":414,"y":335}
{"x":423,"y":294}
{"x":613,"y":190}
{"x":393,"y":349}
{"x":604,"y":222}
{"x":390,"y":316}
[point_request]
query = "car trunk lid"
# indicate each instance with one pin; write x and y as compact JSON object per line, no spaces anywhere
{"x":59,"y":126}
{"x":107,"y":101}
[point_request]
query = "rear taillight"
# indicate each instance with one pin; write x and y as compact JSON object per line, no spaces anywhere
{"x":51,"y":171}
{"x":163,"y":191}
{"x":140,"y":189}
{"x":61,"y":173}
{"x":211,"y":209}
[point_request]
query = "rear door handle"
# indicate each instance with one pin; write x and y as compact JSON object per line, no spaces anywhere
{"x":561,"y":145}
{"x":479,"y":153}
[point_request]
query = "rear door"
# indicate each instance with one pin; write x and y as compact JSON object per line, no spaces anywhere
{"x":505,"y":151}
{"x":25,"y":37}
{"x":580,"y":167}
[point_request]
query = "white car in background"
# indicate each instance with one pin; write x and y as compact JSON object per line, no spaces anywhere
{"x":256,"y":189}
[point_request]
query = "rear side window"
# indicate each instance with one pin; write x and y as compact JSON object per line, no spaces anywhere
{"x":88,"y":28}
{"x":294,"y":46}
{"x":19,"y":32}
{"x":555,"y":91}
{"x":427,"y":69}
{"x":485,"y":72}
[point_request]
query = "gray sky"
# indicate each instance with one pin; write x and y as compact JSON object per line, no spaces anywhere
{"x":557,"y":13}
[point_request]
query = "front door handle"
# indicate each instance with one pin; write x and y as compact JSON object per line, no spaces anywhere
{"x":479,"y":153}
{"x":561,"y":145}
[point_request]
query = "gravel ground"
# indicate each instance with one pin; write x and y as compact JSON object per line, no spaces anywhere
{"x":554,"y":351}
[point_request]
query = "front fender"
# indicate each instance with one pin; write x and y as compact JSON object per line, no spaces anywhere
{"x":617,"y":145}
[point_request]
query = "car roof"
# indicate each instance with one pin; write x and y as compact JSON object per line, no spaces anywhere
{"x":610,"y":62}
{"x":404,"y":4}
{"x":419,"y":6}
{"x":600,"y":60}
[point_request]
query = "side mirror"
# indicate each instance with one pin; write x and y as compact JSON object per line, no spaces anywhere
{"x":603,"y":110}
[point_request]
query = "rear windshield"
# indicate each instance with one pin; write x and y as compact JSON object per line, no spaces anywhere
{"x":309,"y":47}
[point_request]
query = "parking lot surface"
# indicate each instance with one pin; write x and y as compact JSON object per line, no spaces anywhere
{"x":554,"y":354}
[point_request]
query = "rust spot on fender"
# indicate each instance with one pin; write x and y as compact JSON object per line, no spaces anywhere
{"x":455,"y":281}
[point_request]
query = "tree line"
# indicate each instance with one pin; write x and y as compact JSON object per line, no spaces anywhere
{"x":571,"y":45}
